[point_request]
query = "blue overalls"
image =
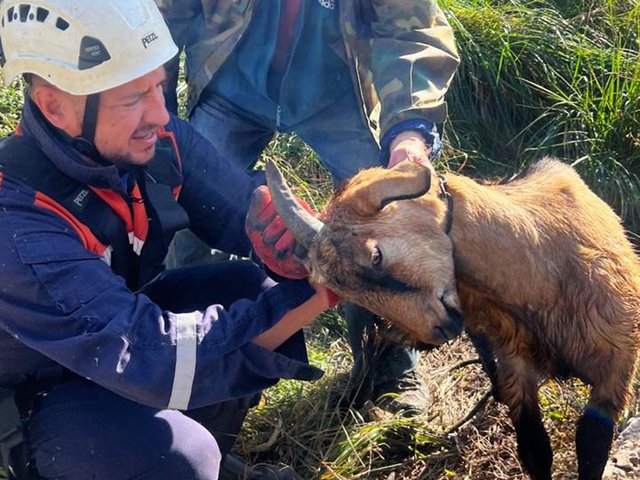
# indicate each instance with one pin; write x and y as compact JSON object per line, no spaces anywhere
{"x":149,"y":369}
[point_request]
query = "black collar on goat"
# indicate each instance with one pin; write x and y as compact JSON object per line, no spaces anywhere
{"x":445,"y":195}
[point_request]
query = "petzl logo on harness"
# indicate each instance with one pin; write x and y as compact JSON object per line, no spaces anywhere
{"x":80,"y":197}
{"x":146,"y":41}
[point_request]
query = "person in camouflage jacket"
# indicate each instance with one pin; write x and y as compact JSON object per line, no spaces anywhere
{"x":362,"y":82}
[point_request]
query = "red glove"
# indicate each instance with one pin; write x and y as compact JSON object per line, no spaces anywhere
{"x":271,"y":239}
{"x":332,"y":298}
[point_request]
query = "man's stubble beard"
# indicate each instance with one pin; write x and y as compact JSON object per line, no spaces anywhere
{"x":126,"y":160}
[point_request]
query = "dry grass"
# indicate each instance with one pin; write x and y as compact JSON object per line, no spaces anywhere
{"x":301,"y":426}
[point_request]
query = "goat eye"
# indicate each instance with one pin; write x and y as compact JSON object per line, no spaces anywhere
{"x":376,"y":256}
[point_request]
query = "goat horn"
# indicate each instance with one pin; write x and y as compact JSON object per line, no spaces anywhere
{"x":304,"y":226}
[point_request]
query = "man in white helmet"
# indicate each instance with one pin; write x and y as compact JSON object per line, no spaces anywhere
{"x":108,"y":359}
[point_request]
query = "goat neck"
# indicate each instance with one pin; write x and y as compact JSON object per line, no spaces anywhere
{"x":495,"y":231}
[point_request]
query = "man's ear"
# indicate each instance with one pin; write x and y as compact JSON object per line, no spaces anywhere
{"x":59,"y":108}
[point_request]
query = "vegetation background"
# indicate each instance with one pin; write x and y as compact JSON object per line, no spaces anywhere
{"x":538,"y":77}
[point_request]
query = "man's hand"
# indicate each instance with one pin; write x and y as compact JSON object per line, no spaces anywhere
{"x":271,"y":239}
{"x":409,"y":145}
{"x":329,"y":296}
{"x":296,"y":318}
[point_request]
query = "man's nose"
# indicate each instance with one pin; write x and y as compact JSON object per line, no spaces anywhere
{"x":156,"y":112}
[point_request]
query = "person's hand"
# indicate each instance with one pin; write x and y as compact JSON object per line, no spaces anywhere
{"x":330,"y":297}
{"x":409,"y":145}
{"x":271,"y":239}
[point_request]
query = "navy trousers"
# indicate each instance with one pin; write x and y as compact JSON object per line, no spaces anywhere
{"x":81,"y":431}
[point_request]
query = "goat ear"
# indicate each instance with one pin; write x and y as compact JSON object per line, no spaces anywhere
{"x":402,"y":182}
{"x":408,"y":166}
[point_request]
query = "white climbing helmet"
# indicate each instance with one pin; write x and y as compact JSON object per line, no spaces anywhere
{"x":83,"y":46}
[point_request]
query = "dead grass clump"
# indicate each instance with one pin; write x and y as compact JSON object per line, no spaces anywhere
{"x":300,"y":424}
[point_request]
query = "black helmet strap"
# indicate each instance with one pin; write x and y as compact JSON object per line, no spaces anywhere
{"x":90,"y":119}
{"x":85,"y":143}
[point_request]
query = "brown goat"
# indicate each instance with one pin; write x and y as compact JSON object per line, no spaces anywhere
{"x":539,"y":266}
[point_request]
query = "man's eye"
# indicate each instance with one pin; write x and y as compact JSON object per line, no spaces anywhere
{"x":376,"y":256}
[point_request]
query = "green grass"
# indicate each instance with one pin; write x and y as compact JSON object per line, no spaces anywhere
{"x":11,"y":100}
{"x":549,"y":78}
{"x":557,"y":77}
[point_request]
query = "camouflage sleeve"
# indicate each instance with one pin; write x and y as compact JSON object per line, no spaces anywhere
{"x":184,"y":18}
{"x":413,"y":60}
{"x":179,"y":9}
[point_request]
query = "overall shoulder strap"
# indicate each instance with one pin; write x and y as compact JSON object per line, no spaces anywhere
{"x":160,"y":186}
{"x":22,"y":159}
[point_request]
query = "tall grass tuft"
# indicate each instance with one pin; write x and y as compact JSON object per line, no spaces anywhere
{"x":549,"y":78}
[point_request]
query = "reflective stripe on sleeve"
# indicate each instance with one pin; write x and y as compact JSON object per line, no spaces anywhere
{"x":186,"y":346}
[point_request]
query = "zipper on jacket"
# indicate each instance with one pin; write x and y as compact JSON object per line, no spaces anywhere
{"x":278,"y":117}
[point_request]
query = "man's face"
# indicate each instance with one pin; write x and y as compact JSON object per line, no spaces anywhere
{"x":129,"y":117}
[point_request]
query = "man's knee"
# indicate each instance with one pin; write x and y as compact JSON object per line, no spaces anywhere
{"x":81,"y":430}
{"x":192,"y":452}
{"x":195,"y":456}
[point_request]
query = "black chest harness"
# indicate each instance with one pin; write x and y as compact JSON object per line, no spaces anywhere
{"x":130,"y":234}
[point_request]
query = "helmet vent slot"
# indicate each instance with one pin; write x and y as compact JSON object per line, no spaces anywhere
{"x":42,"y":14}
{"x":62,"y":24}
{"x":24,"y":12}
{"x":10,"y":17}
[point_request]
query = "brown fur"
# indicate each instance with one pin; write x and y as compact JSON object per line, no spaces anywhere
{"x":539,"y":265}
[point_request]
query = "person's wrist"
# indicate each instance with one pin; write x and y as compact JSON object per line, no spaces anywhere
{"x":409,"y":145}
{"x":415,"y":138}
{"x":328,"y":298}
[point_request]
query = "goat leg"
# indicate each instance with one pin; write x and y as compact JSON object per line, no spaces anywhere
{"x":534,"y":447}
{"x":596,"y":425}
{"x":593,"y":440}
{"x":611,"y":389}
{"x":482,"y":345}
{"x":364,"y":338}
{"x":519,"y":391}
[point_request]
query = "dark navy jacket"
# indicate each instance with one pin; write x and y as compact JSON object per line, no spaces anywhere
{"x":62,"y":305}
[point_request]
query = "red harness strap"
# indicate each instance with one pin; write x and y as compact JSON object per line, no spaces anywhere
{"x":89,"y":240}
{"x":135,"y":218}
